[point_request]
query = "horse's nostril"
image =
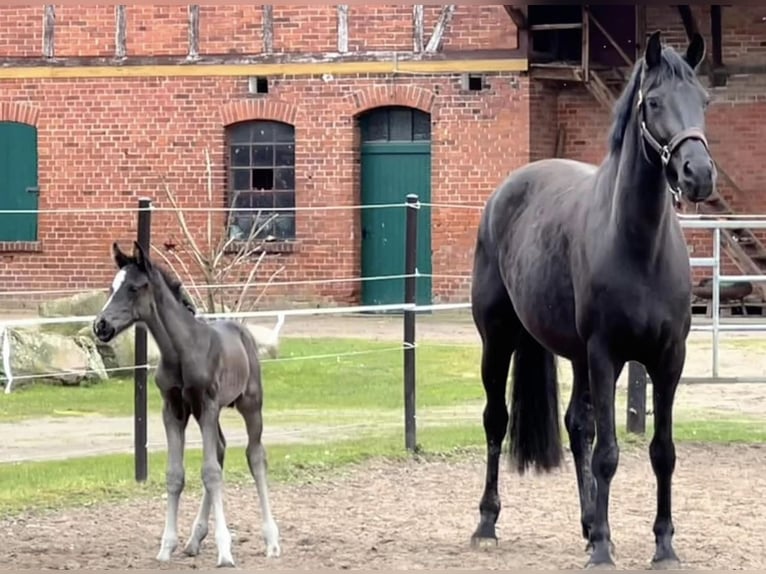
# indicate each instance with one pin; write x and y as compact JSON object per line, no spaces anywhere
{"x":687,"y":168}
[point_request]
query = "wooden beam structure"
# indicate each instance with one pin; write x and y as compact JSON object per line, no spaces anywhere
{"x":120,"y":40}
{"x":318,"y":64}
{"x":268,"y":28}
{"x":193,"y":53}
{"x":718,"y":73}
{"x":517,"y":15}
{"x":417,"y":28}
{"x":445,"y":17}
{"x":49,"y":30}
{"x":342,"y":28}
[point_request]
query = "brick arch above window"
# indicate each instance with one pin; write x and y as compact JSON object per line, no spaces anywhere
{"x":381,"y":96}
{"x":247,"y":110}
{"x":10,"y":112}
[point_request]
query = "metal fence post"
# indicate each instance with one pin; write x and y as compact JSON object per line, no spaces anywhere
{"x":140,"y":373}
{"x":410,"y":297}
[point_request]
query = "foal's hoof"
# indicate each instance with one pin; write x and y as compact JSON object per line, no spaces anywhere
{"x":225,"y":562}
{"x":665,"y":559}
{"x":601,"y":557}
{"x":480,"y":542}
{"x":192,"y":548}
{"x":484,"y":536}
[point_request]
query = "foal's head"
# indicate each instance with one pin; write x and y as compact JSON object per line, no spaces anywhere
{"x":131,"y":297}
{"x":670,"y":106}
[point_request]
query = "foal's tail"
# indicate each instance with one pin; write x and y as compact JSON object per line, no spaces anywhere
{"x":534,"y":428}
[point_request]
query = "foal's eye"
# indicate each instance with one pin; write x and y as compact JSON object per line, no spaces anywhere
{"x":654,"y":103}
{"x":132,"y":288}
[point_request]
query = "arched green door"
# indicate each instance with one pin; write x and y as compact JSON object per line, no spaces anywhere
{"x":18,"y":181}
{"x":396,"y":161}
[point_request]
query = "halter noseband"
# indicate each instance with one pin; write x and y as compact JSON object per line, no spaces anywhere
{"x":665,"y":151}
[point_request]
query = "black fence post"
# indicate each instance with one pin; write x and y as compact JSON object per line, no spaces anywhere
{"x":410,"y":297}
{"x":140,"y":373}
{"x":636,"y":422}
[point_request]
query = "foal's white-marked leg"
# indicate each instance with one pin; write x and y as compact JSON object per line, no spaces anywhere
{"x":250,"y":409}
{"x":175,"y":430}
{"x":212,"y":478}
{"x":200,"y":526}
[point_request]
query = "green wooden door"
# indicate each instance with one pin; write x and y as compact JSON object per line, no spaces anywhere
{"x":18,"y":181}
{"x":396,"y":161}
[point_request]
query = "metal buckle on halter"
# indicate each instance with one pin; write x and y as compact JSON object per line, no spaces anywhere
{"x":665,"y":154}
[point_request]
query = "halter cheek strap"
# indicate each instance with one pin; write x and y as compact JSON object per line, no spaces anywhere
{"x":666,"y":151}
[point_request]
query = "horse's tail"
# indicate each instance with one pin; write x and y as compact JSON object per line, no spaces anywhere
{"x":534,"y":427}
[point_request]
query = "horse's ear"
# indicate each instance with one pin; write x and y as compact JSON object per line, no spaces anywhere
{"x":142,"y":260}
{"x":695,"y":53}
{"x":653,"y":52}
{"x":120,"y":259}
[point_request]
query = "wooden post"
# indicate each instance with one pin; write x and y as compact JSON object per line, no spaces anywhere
{"x":636,"y":422}
{"x":193,"y":53}
{"x":417,"y":28}
{"x":268,"y":28}
{"x":343,"y":28}
{"x":585,"y":45}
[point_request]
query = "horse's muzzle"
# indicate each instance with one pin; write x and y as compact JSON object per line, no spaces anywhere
{"x":697,"y":178}
{"x":103,"y":331}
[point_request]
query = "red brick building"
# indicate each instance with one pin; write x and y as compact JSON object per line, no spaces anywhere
{"x":324,"y":109}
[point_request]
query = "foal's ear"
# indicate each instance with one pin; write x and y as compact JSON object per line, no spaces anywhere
{"x":653,"y":52}
{"x":142,"y":260}
{"x":695,"y":53}
{"x":120,"y":258}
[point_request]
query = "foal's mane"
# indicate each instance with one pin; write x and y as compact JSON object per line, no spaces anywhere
{"x":176,"y":287}
{"x":673,"y":65}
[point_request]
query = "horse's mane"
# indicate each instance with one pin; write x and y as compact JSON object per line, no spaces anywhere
{"x":673,"y":65}
{"x":176,"y":287}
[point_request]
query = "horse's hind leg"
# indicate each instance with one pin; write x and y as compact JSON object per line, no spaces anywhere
{"x":498,"y":326}
{"x":212,"y":476}
{"x":174,"y":418}
{"x":581,"y":427}
{"x":249,"y":406}
{"x":200,"y":526}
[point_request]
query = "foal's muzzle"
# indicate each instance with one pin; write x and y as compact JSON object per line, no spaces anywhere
{"x":103,"y":330}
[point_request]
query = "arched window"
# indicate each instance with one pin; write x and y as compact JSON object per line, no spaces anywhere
{"x":262,"y":179}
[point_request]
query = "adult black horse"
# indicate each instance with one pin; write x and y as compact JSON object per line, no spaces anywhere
{"x":590,"y":263}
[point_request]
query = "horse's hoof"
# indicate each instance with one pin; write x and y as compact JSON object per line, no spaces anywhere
{"x":273,"y":550}
{"x":166,"y":552}
{"x":600,"y":566}
{"x":666,"y":564}
{"x":192,"y":548}
{"x":601,"y":557}
{"x":225,"y":562}
{"x":482,"y":542}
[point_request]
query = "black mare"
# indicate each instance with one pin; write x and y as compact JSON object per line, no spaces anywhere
{"x":590,"y":263}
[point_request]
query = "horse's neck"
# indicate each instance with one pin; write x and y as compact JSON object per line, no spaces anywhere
{"x":642,"y":203}
{"x":174,"y":324}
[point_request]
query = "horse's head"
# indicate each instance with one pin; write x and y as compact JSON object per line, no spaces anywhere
{"x":132,"y":293}
{"x":671,"y":112}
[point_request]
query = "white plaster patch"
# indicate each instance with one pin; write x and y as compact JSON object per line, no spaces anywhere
{"x":117,"y":282}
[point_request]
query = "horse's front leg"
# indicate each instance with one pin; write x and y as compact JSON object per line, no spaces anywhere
{"x":665,"y":376}
{"x":174,"y":420}
{"x":603,"y":370}
{"x":212,"y":477}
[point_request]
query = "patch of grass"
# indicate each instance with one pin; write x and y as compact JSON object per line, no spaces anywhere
{"x":72,"y":482}
{"x":372,"y":378}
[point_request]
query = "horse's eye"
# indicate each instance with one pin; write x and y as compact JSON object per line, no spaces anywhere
{"x":132,"y":288}
{"x":654,"y":103}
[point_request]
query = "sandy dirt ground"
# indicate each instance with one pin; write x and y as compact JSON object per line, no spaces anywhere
{"x":419,"y":515}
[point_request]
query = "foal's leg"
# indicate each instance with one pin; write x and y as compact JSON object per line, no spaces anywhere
{"x":200,"y":526}
{"x":250,"y":409}
{"x":174,"y":419}
{"x":603,"y":372}
{"x":212,"y":477}
{"x":581,"y":427}
{"x":665,"y":377}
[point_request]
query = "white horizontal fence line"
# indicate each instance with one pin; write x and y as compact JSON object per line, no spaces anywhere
{"x":273,"y":284}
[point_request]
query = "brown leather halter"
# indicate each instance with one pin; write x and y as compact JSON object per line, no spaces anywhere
{"x":666,"y":151}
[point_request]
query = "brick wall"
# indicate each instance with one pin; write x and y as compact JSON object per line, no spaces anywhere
{"x":106,"y":142}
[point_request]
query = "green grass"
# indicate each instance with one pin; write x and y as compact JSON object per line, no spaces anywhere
{"x":54,"y":484}
{"x":372,"y":378}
